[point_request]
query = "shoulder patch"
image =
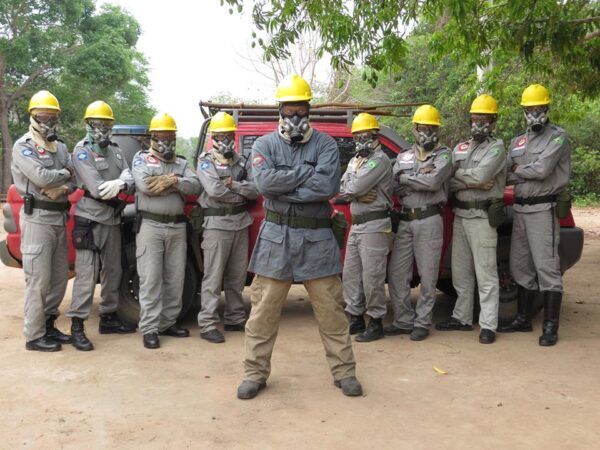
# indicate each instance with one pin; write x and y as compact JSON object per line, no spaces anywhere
{"x":445,"y":155}
{"x":372,"y":164}
{"x":258,"y":160}
{"x":521,"y":141}
{"x":496,"y":151}
{"x":407,"y":157}
{"x":27,"y":152}
{"x":82,"y":156}
{"x":559,"y":140}
{"x":204,"y":165}
{"x":137,"y":161}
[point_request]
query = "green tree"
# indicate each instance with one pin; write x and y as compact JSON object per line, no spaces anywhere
{"x":76,"y":52}
{"x":373,"y":33}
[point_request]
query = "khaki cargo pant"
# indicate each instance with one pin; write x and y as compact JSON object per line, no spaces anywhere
{"x":267,"y":297}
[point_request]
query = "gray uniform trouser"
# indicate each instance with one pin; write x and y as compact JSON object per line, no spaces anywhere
{"x":44,"y":249}
{"x":364,"y":273}
{"x":421,"y":241}
{"x":88,"y":263}
{"x":225,"y":263}
{"x":161,"y":258}
{"x":474,"y":244}
{"x":534,"y":260}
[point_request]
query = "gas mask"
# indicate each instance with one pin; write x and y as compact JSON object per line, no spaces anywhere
{"x":480,"y":131}
{"x":536,"y":118}
{"x":100,"y":131}
{"x":164,"y":147}
{"x":225,"y":146}
{"x":295,"y":127}
{"x":366,"y":144}
{"x":45,"y":125}
{"x":427,"y":139}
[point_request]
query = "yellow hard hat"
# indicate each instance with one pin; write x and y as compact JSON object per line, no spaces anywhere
{"x":99,"y":110}
{"x":364,"y":122}
{"x":221,"y":122}
{"x":427,"y":115}
{"x":535,"y":95}
{"x":293,"y":88}
{"x":484,"y":104}
{"x":162,"y":122}
{"x":43,"y":99}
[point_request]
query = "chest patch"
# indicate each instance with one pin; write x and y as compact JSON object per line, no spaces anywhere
{"x":521,"y":142}
{"x":462,"y":148}
{"x":151,"y":161}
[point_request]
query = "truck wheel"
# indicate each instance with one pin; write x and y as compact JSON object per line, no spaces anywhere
{"x":129,"y":305}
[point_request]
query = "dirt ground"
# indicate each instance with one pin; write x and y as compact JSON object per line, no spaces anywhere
{"x":513,"y":394}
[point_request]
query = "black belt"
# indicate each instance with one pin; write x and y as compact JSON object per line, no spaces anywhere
{"x":535,"y":200}
{"x":297,"y":221}
{"x":408,"y":214}
{"x":113,"y":203}
{"x":473,"y":204}
{"x":164,"y":218}
{"x":359,"y":219}
{"x":51,"y":206}
{"x":225,"y":211}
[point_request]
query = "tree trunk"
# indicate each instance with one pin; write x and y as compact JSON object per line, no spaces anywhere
{"x":5,"y":175}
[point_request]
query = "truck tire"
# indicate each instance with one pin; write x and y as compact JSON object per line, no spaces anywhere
{"x":129,"y":305}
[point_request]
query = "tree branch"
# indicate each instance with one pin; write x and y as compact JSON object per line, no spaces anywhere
{"x":590,"y":36}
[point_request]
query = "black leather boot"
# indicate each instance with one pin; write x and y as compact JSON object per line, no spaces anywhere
{"x":111,"y":324}
{"x":80,"y":340}
{"x":55,"y":334}
{"x":552,"y":301}
{"x":373,"y":332}
{"x":357,"y":324}
{"x":43,"y":344}
{"x":525,"y":303}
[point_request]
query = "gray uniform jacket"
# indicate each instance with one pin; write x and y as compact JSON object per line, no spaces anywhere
{"x":172,"y":200}
{"x":478,"y":163}
{"x":296,"y":180}
{"x":217,"y":195}
{"x":43,"y":170}
{"x":418,"y":189}
{"x":375,"y":173}
{"x":544,"y":165}
{"x":92,"y":169}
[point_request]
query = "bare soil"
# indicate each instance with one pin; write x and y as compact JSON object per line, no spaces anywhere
{"x":512,"y":394}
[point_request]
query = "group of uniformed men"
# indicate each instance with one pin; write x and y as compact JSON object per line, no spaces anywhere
{"x":297,"y":171}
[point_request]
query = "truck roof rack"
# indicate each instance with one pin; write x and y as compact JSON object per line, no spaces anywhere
{"x":319,"y":112}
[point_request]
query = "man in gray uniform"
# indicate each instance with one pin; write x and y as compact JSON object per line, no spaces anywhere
{"x":162,"y":181}
{"x":421,"y":177}
{"x":42,"y":173}
{"x":477,"y":184}
{"x":102,"y":173}
{"x":367,"y":183}
{"x":297,"y":169}
{"x":227,"y":188}
{"x":539,"y":162}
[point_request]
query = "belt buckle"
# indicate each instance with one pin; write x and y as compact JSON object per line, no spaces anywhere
{"x":228,"y":210}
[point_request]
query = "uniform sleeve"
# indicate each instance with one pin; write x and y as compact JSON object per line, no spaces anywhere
{"x":324,"y":182}
{"x":35,"y":171}
{"x":433,"y":180}
{"x":140,"y":172}
{"x":511,"y":178}
{"x":88,"y":176}
{"x":71,"y":184}
{"x":398,"y":189}
{"x":126,"y":176}
{"x":546,"y":161}
{"x":273,"y":181}
{"x":246,"y":186}
{"x":188,"y":184}
{"x":457,"y":185}
{"x":490,"y":165}
{"x":365,"y":179}
{"x":212,"y":184}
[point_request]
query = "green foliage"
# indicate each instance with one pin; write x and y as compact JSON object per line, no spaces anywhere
{"x":373,"y":33}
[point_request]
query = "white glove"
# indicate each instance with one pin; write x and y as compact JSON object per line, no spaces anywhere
{"x":110,"y":189}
